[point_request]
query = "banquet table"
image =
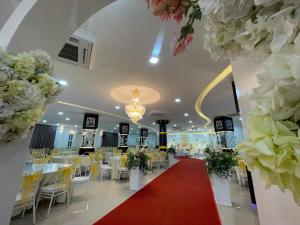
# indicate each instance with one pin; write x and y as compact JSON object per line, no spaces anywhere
{"x":67,"y":159}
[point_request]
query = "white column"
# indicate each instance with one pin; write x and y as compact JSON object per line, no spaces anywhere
{"x":12,"y":162}
{"x":274,"y":207}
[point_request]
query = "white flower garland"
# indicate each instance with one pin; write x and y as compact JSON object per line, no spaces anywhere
{"x":26,"y":87}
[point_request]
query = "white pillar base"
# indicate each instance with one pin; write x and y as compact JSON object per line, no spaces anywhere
{"x":12,"y":162}
{"x":221,"y":188}
{"x":136,"y":179}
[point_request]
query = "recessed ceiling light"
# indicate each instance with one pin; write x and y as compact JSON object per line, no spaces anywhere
{"x":118,"y":125}
{"x":153,"y":123}
{"x":67,"y":118}
{"x":117,"y":107}
{"x":190,"y":121}
{"x":44,"y":121}
{"x":174,"y":125}
{"x":60,"y":113}
{"x":63,"y":82}
{"x":177,"y":100}
{"x":115,"y":128}
{"x":240,"y":118}
{"x":186,"y":114}
{"x":193,"y":126}
{"x":75,"y":125}
{"x":131,"y":129}
{"x":57,"y":124}
{"x":154,"y":60}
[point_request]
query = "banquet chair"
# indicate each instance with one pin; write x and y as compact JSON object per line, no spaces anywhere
{"x":123,"y":170}
{"x":61,"y":186}
{"x":241,"y":173}
{"x":105,"y":169}
{"x":163,"y":159}
{"x":25,"y":199}
{"x":82,"y":180}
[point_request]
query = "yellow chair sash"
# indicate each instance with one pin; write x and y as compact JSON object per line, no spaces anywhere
{"x":29,"y":184}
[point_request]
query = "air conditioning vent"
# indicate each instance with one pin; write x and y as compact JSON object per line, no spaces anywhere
{"x":69,"y":52}
{"x":78,"y":50}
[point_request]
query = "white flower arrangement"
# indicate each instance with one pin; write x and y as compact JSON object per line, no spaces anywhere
{"x":273,"y":144}
{"x":26,"y":87}
{"x":247,"y":27}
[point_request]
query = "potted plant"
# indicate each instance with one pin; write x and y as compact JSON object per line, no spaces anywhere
{"x":219,"y":165}
{"x":138,"y":164}
{"x":171,"y":153}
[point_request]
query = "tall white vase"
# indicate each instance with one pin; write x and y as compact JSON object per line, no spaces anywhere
{"x":12,"y":158}
{"x":221,"y":188}
{"x":171,"y":159}
{"x":136,"y":179}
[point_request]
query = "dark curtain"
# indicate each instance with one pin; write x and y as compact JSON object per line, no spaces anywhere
{"x":43,"y":136}
{"x":109,"y":139}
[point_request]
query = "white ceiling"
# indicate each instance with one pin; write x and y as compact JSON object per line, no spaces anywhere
{"x":126,"y":32}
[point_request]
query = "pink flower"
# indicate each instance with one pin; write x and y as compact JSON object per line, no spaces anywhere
{"x":181,"y":45}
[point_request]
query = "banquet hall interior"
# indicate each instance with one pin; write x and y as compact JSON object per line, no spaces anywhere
{"x":131,"y":133}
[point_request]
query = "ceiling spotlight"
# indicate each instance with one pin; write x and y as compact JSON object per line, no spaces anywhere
{"x":190,"y":121}
{"x":117,"y":107}
{"x":177,"y":100}
{"x":131,"y":129}
{"x":154,"y":60}
{"x":57,"y":124}
{"x":67,"y":118}
{"x":63,"y":83}
{"x":44,"y":121}
{"x":115,"y":128}
{"x":193,"y":126}
{"x":153,"y":123}
{"x":118,"y":125}
{"x":60,"y":113}
{"x":186,"y":114}
{"x":240,"y":119}
{"x":174,"y":125}
{"x":75,"y":125}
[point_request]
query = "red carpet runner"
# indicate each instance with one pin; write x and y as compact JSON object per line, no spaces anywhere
{"x":180,"y":196}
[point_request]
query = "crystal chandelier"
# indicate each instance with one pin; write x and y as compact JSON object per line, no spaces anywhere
{"x":135,"y":110}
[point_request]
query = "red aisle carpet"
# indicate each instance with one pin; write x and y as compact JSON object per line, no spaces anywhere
{"x":180,"y":196}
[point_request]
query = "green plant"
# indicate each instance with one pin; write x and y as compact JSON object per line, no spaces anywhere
{"x":220,"y":163}
{"x":138,"y":159}
{"x":171,"y":150}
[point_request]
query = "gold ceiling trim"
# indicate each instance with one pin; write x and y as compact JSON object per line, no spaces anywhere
{"x":103,"y":112}
{"x":225,"y":73}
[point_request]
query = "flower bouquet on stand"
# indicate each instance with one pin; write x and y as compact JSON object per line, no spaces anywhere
{"x":26,"y":87}
{"x":219,"y":165}
{"x":138,"y":164}
{"x":171,"y":155}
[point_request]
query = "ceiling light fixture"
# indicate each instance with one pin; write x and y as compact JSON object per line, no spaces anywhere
{"x":63,"y":82}
{"x":135,"y":110}
{"x":117,"y":107}
{"x":177,"y":100}
{"x":186,"y":114}
{"x":44,"y":121}
{"x":174,"y":125}
{"x":60,"y":113}
{"x":67,"y":118}
{"x":75,"y":125}
{"x":190,"y":121}
{"x":154,"y":60}
{"x":153,"y":123}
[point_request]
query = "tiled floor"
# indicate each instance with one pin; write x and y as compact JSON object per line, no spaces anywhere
{"x":106,"y":195}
